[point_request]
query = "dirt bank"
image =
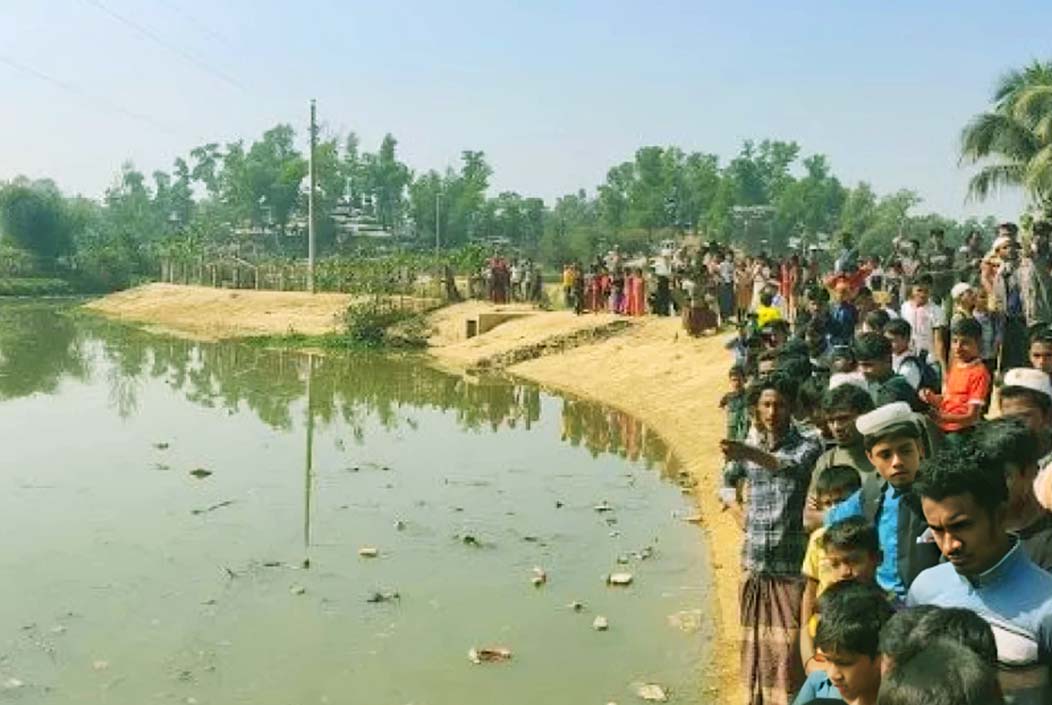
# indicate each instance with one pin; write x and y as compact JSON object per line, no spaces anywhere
{"x":645,"y":367}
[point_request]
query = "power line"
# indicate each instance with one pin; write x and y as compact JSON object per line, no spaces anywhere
{"x":153,"y":37}
{"x":204,"y":28}
{"x":98,"y":100}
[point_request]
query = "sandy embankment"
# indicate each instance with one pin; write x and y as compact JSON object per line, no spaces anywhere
{"x":645,"y":367}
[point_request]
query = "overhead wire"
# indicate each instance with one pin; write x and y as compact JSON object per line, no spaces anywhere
{"x":160,"y":41}
{"x":98,"y":100}
{"x":204,"y":28}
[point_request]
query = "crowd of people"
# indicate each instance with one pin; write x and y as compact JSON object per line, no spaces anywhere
{"x":889,"y":436}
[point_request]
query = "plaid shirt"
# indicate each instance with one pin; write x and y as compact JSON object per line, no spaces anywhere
{"x":775,"y":540}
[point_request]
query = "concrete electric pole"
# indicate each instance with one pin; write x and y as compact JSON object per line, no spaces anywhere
{"x":310,"y":201}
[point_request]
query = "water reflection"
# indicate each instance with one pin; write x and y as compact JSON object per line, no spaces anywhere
{"x":41,"y":344}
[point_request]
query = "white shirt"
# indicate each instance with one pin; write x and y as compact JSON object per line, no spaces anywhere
{"x":923,"y":320}
{"x":911,"y":372}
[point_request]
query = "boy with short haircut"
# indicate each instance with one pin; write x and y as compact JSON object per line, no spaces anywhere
{"x":903,"y":361}
{"x":733,"y":404}
{"x":960,"y":406}
{"x":848,"y":639}
{"x":926,"y":320}
{"x":894,"y":441}
{"x":945,"y":672}
{"x":874,"y":355}
{"x":1041,"y":350}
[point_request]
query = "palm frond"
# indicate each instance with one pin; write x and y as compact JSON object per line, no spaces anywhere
{"x":1032,"y":103}
{"x":1038,"y":177}
{"x":993,"y":177}
{"x":995,"y":133}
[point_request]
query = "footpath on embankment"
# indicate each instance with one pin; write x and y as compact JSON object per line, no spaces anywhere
{"x":647,"y":367}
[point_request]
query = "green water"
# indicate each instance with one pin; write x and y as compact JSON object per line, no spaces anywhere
{"x":125,"y":579}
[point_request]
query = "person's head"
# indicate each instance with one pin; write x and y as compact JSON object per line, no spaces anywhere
{"x":896,"y":638}
{"x":892,"y":437}
{"x":876,"y":321}
{"x":852,"y":550}
{"x":767,"y":361}
{"x":815,"y":336}
{"x":766,"y":298}
{"x":982,"y":300}
{"x":736,"y":375}
{"x":963,"y":296}
{"x":965,"y":501}
{"x":873,"y":352}
{"x":864,"y":300}
{"x":835,"y":484}
{"x":842,"y":292}
{"x":817,"y":300}
{"x":776,"y":333}
{"x":956,"y":624}
{"x":922,"y":290}
{"x":945,"y":673}
{"x":1009,"y":230}
{"x":1009,"y":444}
{"x":967,"y":336}
{"x":848,"y":636}
{"x":898,"y":332}
{"x":842,"y":359}
{"x":1041,"y":349}
{"x":841,"y":407}
{"x":771,"y":400}
{"x":1005,"y":248}
{"x":1027,"y":395}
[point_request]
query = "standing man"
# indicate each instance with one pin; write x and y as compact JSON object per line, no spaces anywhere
{"x":964,"y":500}
{"x":1008,"y":298}
{"x":777,"y":461}
{"x":927,"y":322}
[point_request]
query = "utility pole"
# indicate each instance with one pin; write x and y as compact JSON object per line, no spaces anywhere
{"x":438,"y":227}
{"x":310,"y":201}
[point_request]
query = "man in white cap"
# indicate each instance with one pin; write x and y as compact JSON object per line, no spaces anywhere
{"x":963,"y":296}
{"x":1027,"y":395}
{"x":893,"y":436}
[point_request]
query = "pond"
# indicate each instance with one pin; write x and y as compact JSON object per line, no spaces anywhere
{"x":184,"y":523}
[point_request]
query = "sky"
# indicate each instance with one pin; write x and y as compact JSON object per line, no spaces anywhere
{"x":555,"y":93}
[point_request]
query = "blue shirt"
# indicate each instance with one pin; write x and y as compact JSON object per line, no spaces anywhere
{"x":817,"y":686}
{"x":887,"y":522}
{"x":1015,"y":598}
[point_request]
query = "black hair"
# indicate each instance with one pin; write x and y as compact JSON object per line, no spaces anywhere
{"x":770,"y":354}
{"x":847,"y":398}
{"x":924,"y":280}
{"x":967,"y":327}
{"x":837,"y":477}
{"x":1006,"y":440}
{"x":820,"y":294}
{"x":863,"y":291}
{"x":1037,"y":399}
{"x":851,"y":534}
{"x":852,"y":616}
{"x":1042,"y":227}
{"x":816,"y":326}
{"x":842,"y":352}
{"x":1010,"y":227}
{"x":877,"y":320}
{"x":736,"y":370}
{"x":896,"y":635}
{"x":1040,"y":333}
{"x":778,"y":382}
{"x":766,"y":298}
{"x":811,"y":391}
{"x":796,"y":346}
{"x":793,"y":365}
{"x":899,"y":328}
{"x":958,"y":624}
{"x":872,"y":347}
{"x":959,"y":470}
{"x":945,"y":673}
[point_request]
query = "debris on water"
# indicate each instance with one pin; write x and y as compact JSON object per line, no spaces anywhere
{"x":163,"y":445}
{"x":58,"y":629}
{"x":399,"y":525}
{"x":13,"y":684}
{"x":603,"y":506}
{"x":378,"y":597}
{"x":306,"y":563}
{"x":100,"y":665}
{"x":384,"y":468}
{"x":614,"y":534}
{"x":297,"y":590}
{"x":652,"y":692}
{"x":645,"y":553}
{"x":162,"y":467}
{"x":210,"y":601}
{"x":687,"y":621}
{"x":539,"y":577}
{"x":489,"y":654}
{"x":611,"y":521}
{"x":576,"y":606}
{"x":558,"y":504}
{"x":619,"y":579}
{"x":470,"y":540}
{"x":212,"y":508}
{"x":622,"y":560}
{"x":200,"y":473}
{"x":368,"y":552}
{"x":230,"y":573}
{"x":530,"y":539}
{"x":600,"y":624}
{"x":353,"y":468}
{"x":694,"y":519}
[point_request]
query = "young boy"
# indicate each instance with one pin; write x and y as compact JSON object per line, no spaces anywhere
{"x":945,"y":672}
{"x":894,"y":440}
{"x":903,"y":361}
{"x":926,"y":321}
{"x":963,"y":297}
{"x":848,"y":639}
{"x":960,"y":406}
{"x":844,"y":316}
{"x":733,"y":403}
{"x":766,"y":311}
{"x":1041,"y":350}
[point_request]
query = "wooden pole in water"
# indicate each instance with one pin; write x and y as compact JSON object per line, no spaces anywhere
{"x":309,"y":473}
{"x":310,"y":201}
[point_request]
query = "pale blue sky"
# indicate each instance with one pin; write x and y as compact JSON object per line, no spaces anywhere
{"x":554,"y":92}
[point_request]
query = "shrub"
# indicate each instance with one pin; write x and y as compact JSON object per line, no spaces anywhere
{"x":377,"y":321}
{"x":34,"y":287}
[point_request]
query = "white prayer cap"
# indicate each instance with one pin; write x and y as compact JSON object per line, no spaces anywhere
{"x":1001,"y":242}
{"x":885,"y":418}
{"x":958,"y":289}
{"x":838,"y":378}
{"x":1032,"y":379}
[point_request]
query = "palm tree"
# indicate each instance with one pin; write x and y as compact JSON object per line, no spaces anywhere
{"x":1013,"y":142}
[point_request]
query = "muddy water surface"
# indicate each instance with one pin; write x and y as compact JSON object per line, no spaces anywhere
{"x":128,"y":578}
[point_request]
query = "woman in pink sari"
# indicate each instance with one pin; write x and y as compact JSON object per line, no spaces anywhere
{"x":639,"y":290}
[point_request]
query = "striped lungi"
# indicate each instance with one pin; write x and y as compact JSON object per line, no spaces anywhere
{"x":770,"y":622}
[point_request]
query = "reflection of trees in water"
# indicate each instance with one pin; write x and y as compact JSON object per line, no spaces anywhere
{"x":606,"y":430}
{"x":38,"y":348}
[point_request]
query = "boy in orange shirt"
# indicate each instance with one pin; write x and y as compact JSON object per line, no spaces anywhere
{"x":960,"y":406}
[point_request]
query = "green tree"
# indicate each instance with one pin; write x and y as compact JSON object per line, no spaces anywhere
{"x":34,"y":218}
{"x":387,"y":179}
